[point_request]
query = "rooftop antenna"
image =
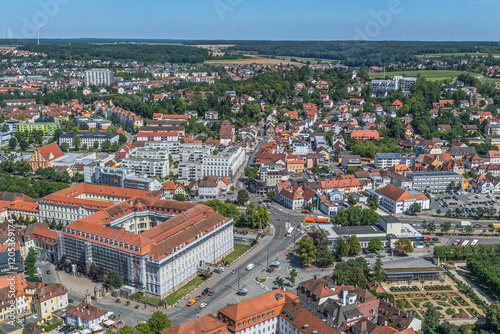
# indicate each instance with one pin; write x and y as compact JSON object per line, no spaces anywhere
{"x":38,"y":33}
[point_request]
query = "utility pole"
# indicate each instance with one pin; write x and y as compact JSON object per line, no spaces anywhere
{"x":267,"y":256}
{"x":238,"y":271}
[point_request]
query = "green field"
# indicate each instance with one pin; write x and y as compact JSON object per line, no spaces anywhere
{"x":175,"y":296}
{"x":489,"y":80}
{"x":304,"y":59}
{"x":238,"y":250}
{"x":431,"y":75}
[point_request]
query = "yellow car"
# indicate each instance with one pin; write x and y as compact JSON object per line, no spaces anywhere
{"x":191,"y":302}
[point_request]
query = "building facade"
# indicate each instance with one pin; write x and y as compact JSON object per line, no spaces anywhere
{"x":99,"y":77}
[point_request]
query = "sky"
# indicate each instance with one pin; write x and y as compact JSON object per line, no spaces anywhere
{"x":420,"y":20}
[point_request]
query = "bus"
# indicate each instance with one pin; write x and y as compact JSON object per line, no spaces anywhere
{"x":465,"y":243}
{"x":310,"y":219}
{"x":323,"y":220}
{"x":496,"y":226}
{"x":289,"y":231}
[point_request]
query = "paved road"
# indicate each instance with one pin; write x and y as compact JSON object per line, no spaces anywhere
{"x":226,"y":288}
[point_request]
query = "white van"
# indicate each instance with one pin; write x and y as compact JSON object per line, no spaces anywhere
{"x":250,"y":266}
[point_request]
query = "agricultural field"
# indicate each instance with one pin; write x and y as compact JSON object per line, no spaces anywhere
{"x":304,"y":60}
{"x":431,"y":75}
{"x":253,"y":59}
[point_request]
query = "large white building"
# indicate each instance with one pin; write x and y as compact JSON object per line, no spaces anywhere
{"x":399,"y":200}
{"x":156,"y":245}
{"x":149,"y":160}
{"x":397,"y":83}
{"x":89,"y":138}
{"x":224,"y":163}
{"x":99,"y":77}
{"x":387,"y":160}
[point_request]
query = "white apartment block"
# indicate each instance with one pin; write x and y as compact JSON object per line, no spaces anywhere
{"x":99,"y":77}
{"x":397,"y":83}
{"x":224,"y":163}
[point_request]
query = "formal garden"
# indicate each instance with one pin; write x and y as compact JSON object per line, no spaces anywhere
{"x":445,"y":296}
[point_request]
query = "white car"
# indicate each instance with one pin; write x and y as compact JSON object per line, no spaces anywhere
{"x":202,"y":305}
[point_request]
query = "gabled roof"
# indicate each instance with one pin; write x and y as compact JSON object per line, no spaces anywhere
{"x":50,"y":151}
{"x":398,"y":194}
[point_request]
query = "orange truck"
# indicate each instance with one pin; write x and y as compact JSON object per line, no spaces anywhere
{"x":323,"y":220}
{"x":310,"y":219}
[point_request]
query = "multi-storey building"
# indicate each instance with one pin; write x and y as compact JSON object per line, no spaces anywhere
{"x":83,"y":199}
{"x":149,"y":160}
{"x":156,"y":245}
{"x":48,"y":128}
{"x":397,"y":83}
{"x":99,"y":77}
{"x":191,"y":158}
{"x":434,"y":181}
{"x":224,"y":163}
{"x":89,"y":138}
{"x":49,"y":298}
{"x":387,"y":160}
{"x":124,"y":178}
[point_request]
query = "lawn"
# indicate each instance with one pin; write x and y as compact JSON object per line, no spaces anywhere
{"x":431,"y":75}
{"x":238,"y":250}
{"x":175,"y":296}
{"x":53,"y":326}
{"x":147,"y":299}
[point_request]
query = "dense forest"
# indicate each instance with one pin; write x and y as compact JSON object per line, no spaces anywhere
{"x":357,"y":53}
{"x":123,"y":52}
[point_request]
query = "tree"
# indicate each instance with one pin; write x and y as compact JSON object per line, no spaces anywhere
{"x":271,"y":195}
{"x":143,"y":327}
{"x":446,"y":227}
{"x":351,"y":201}
{"x":415,"y":208}
{"x":281,"y":282}
{"x":352,"y":272}
{"x":493,"y":317}
{"x":114,"y":279}
{"x":353,"y":246}
{"x":96,"y":273}
{"x":403,"y":246}
{"x":375,"y":245}
{"x":96,"y":144}
{"x":23,"y":145}
{"x":431,"y":320}
{"x":64,"y":147}
{"x":293,"y":275}
{"x":12,"y":143}
{"x":341,"y":247}
{"x":179,"y":197}
{"x":127,"y":330}
{"x":243,"y":196}
{"x":158,"y":321}
{"x":431,"y":227}
{"x":469,"y":229}
{"x":324,"y":256}
{"x":309,"y":206}
{"x":77,"y":142}
{"x":122,"y":139}
{"x":378,"y":272}
{"x":29,"y":264}
{"x":307,"y":250}
{"x":438,"y":211}
{"x":106,"y":146}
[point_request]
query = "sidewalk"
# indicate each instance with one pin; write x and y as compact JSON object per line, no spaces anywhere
{"x":459,"y":274}
{"x":216,"y":278}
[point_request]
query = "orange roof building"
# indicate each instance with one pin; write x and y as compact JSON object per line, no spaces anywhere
{"x":399,"y":200}
{"x":44,"y":156}
{"x":142,"y":235}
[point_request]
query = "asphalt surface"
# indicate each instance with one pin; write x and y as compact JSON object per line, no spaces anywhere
{"x":225,"y":290}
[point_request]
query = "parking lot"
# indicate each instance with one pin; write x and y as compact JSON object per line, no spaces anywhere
{"x":467,"y":205}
